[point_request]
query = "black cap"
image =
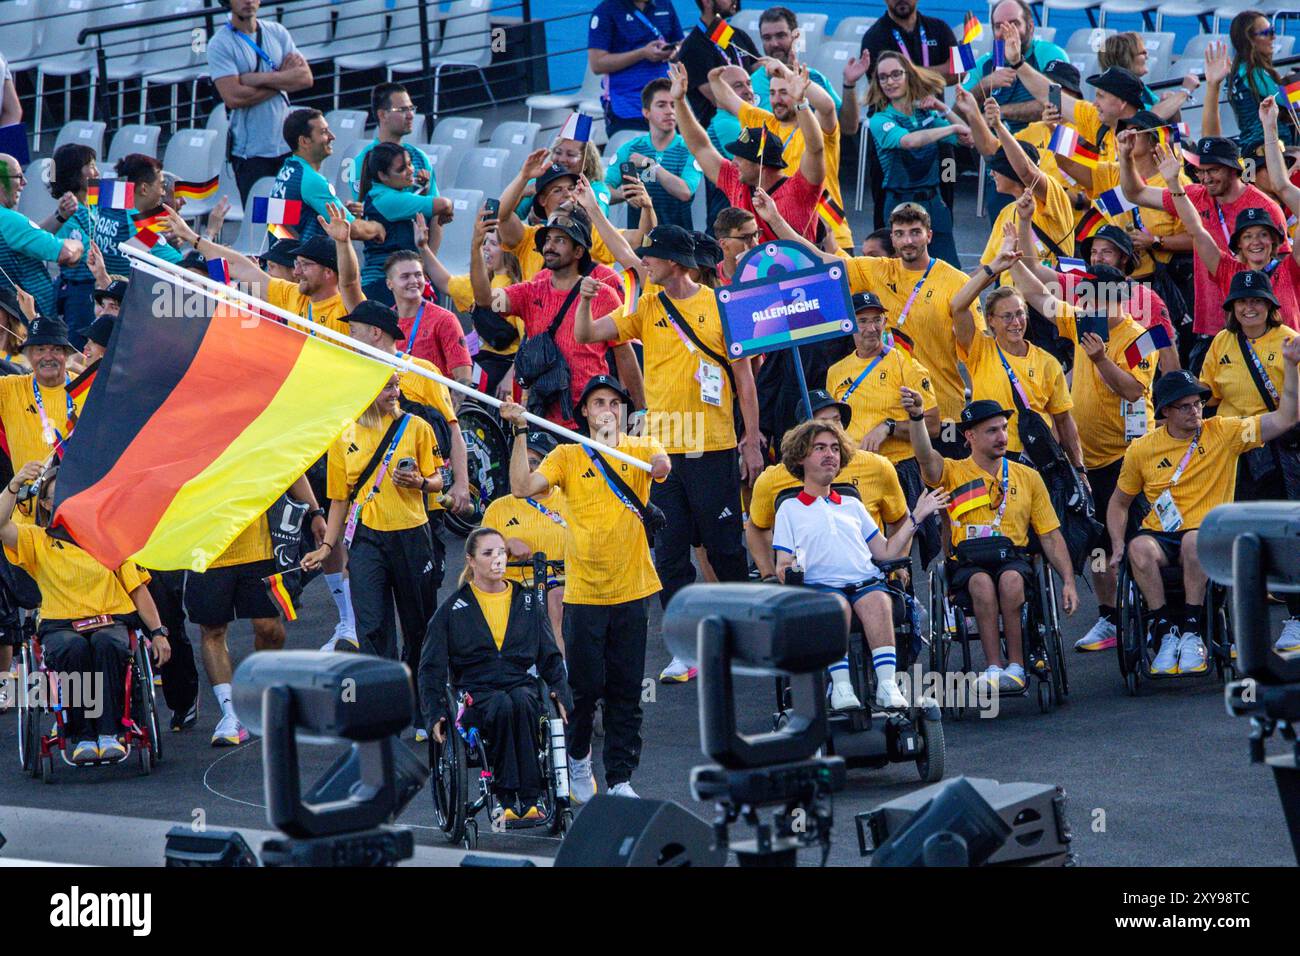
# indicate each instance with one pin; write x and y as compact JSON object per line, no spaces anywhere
{"x":1251,"y":285}
{"x":820,"y":399}
{"x":1172,"y":386}
{"x":281,"y":252}
{"x":1122,"y":83}
{"x":47,"y":330}
{"x":114,"y":290}
{"x":981,"y":411}
{"x":866,"y":300}
{"x":747,"y":143}
{"x":9,"y":303}
{"x":549,"y":175}
{"x":672,"y":243}
{"x":1218,"y":151}
{"x":594,"y":383}
{"x":377,"y":314}
{"x":101,"y":330}
{"x":543,"y":443}
{"x":194,"y":261}
{"x":319,"y":249}
{"x":1099,"y":277}
{"x":1000,"y":164}
{"x":572,"y":223}
{"x":707,"y":251}
{"x":1142,"y":120}
{"x":1117,"y":237}
{"x":1066,"y":75}
{"x":1254,"y":216}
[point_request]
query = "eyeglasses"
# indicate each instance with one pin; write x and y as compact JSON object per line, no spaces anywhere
{"x":1009,"y":316}
{"x":746,"y":236}
{"x":398,"y":109}
{"x":1193,"y":406}
{"x":1264,"y":33}
{"x":892,"y":75}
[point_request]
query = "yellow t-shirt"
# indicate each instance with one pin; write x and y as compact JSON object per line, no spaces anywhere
{"x":1210,"y":478}
{"x":253,"y":544}
{"x":462,"y":296}
{"x":1096,"y":407}
{"x":877,"y":396}
{"x":872,"y":474}
{"x":1029,"y":503}
{"x":22,"y":423}
{"x":531,"y":261}
{"x":73,"y":584}
{"x":1105,"y":175}
{"x":496,"y":610}
{"x":521,"y":518}
{"x":1054,"y":218}
{"x":928,"y":322}
{"x":392,"y":508}
{"x":751,"y":117}
{"x":1039,"y":374}
{"x":1226,"y":371}
{"x":607,"y":557}
{"x":328,"y":312}
{"x":676,"y":414}
{"x":1157,"y":222}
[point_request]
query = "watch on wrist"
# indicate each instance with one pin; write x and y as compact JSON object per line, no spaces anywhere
{"x":316,"y":513}
{"x":915,"y":418}
{"x":991,"y":274}
{"x":160,"y":632}
{"x":891,"y":425}
{"x":518,"y":430}
{"x":803,"y":105}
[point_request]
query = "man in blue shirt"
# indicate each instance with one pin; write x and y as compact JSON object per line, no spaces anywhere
{"x":25,"y":247}
{"x":669,"y":171}
{"x":630,"y":42}
{"x":310,"y":139}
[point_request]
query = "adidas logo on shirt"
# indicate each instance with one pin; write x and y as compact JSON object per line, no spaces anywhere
{"x":1226,"y":360}
{"x":459,"y":605}
{"x":589,"y":474}
{"x":662,"y":324}
{"x":1165,"y":463}
{"x":726,"y":513}
{"x":352,"y":447}
{"x":31,"y":410}
{"x":512,"y":522}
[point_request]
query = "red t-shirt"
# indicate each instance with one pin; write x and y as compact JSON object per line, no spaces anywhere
{"x":1144,"y":304}
{"x":1286,"y":278}
{"x":439,"y":340}
{"x":1220,"y":219}
{"x":537,"y":302}
{"x":796,"y":200}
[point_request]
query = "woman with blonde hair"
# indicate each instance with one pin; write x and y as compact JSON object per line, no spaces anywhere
{"x":1129,"y":51}
{"x":909,"y":123}
{"x":581,"y":159}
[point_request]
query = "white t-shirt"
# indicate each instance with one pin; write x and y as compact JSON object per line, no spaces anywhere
{"x":829,"y":537}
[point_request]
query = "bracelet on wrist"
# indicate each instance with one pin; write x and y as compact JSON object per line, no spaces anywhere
{"x":915,"y":418}
{"x":12,"y":490}
{"x":327,"y":544}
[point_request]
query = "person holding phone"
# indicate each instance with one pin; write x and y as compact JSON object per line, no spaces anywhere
{"x":660,"y":160}
{"x":388,"y":199}
{"x":630,"y":42}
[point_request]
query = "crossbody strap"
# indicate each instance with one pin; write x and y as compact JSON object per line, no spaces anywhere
{"x":616,"y":484}
{"x":1257,"y":372}
{"x":378,"y":456}
{"x":564,"y":307}
{"x":684,"y":327}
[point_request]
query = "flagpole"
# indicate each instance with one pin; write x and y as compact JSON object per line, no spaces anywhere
{"x":204,"y":285}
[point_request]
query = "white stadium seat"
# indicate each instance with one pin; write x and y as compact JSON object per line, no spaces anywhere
{"x":455,"y":249}
{"x":135,"y":139}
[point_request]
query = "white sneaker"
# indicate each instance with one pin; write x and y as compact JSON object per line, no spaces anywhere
{"x":992,"y":676}
{"x":1011,"y":679}
{"x":1166,"y":661}
{"x":1290,"y":639}
{"x":1191,"y":654}
{"x":230,"y":732}
{"x":1100,"y":637}
{"x":843,"y":698}
{"x":345,"y":634}
{"x":582,"y":785}
{"x":623,"y":789}
{"x":889,"y":696}
{"x":677,"y":672}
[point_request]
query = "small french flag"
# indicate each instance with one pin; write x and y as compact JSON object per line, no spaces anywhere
{"x":961,"y":59}
{"x":1152,"y":340}
{"x":478,"y":378}
{"x":577,"y":127}
{"x":111,"y":194}
{"x":277,"y":212}
{"x":1063,"y":141}
{"x":1113,"y":203}
{"x":219,"y":271}
{"x":1071,"y":265}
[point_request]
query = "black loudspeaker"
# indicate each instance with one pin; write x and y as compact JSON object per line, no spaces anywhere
{"x":622,"y":831}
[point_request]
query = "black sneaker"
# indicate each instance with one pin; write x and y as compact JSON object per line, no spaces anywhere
{"x":182,"y":721}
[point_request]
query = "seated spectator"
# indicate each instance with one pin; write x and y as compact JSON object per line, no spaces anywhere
{"x":388,"y":199}
{"x":663,"y":163}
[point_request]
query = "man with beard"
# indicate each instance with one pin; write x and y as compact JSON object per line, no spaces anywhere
{"x":923,"y":40}
{"x":699,"y":54}
{"x":778,"y":29}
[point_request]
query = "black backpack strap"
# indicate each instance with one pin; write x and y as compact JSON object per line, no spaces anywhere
{"x":1051,"y":246}
{"x":676,"y":318}
{"x":1244,"y":345}
{"x":377,"y":457}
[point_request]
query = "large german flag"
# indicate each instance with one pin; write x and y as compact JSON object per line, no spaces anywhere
{"x":200,"y":416}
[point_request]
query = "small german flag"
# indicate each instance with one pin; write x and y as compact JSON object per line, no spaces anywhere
{"x":721,"y":34}
{"x":80,"y":385}
{"x":974,"y":494}
{"x":1085,"y":154}
{"x":1089,"y":225}
{"x":280,"y":232}
{"x":830,"y":210}
{"x":275,"y":587}
{"x":191,"y":191}
{"x":155,"y":220}
{"x":901,"y":339}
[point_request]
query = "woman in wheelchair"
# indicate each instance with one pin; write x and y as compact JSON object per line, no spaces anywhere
{"x":833,"y":544}
{"x":1185,"y":467}
{"x":84,"y":614}
{"x":482,"y":641}
{"x":994,"y":503}
{"x":1244,"y":371}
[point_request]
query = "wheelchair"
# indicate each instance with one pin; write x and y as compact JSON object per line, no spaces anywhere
{"x":864,"y":737}
{"x":953,"y":630}
{"x":39,"y":702}
{"x":457,"y":802}
{"x":1137,"y":648}
{"x":488,"y":454}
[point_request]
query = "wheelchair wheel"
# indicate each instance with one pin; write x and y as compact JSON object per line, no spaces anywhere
{"x":46,"y":768}
{"x":1131,"y":636}
{"x":1053,"y":644}
{"x":941,"y":639}
{"x":147,"y":715}
{"x":450,"y":772}
{"x":488,"y":454}
{"x":29,"y":717}
{"x":929,"y":766}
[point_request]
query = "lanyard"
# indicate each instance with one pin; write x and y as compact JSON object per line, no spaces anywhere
{"x":786,"y":142}
{"x":600,"y":467}
{"x":915,"y":290}
{"x":553,"y":515}
{"x":1182,"y":465}
{"x":256,"y":47}
{"x":865,"y":372}
{"x":1259,"y":367}
{"x":646,"y":20}
{"x":415,"y":329}
{"x":1223,"y":223}
{"x":351,"y":528}
{"x":48,"y":431}
{"x":1005,"y":487}
{"x":925,"y":46}
{"x":1015,"y":382}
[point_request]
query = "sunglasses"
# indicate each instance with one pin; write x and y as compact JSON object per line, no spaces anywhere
{"x":1264,"y":33}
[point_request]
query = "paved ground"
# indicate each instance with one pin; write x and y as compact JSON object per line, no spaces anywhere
{"x":1161,"y":779}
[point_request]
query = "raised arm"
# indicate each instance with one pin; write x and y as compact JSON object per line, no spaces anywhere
{"x":931,"y":461}
{"x":765,"y":206}
{"x":812,"y":164}
{"x":1218,"y":64}
{"x":1034,"y":82}
{"x":242,"y":268}
{"x":723,"y":95}
{"x":899,"y":543}
{"x":1135,"y":190}
{"x":963,"y":318}
{"x":1287,"y":414}
{"x":1202,"y":242}
{"x":9,"y":497}
{"x":614,"y":239}
{"x":1283,"y":188}
{"x":850,"y":110}
{"x":523,"y":483}
{"x":697,"y":140}
{"x":479,"y":280}
{"x":1026,"y":171}
{"x":1037,"y":295}
{"x":425,"y":240}
{"x":510,"y":231}
{"x":586,"y":329}
{"x":969,"y":108}
{"x":339,"y":229}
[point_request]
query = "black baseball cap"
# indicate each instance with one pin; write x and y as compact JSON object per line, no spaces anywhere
{"x":1254,"y":216}
{"x":549,"y":175}
{"x":672,"y":243}
{"x":1122,"y":83}
{"x":100,"y":330}
{"x":1066,"y":75}
{"x":981,"y":411}
{"x":281,"y":252}
{"x":543,"y":443}
{"x":820,"y":399}
{"x":1251,"y":284}
{"x":377,"y":314}
{"x":114,"y":290}
{"x":1218,"y":151}
{"x":318,"y":249}
{"x":866,"y":300}
{"x":194,"y":261}
{"x":1118,"y":238}
{"x":1172,"y":386}
{"x":595,"y":383}
{"x":1000,"y":164}
{"x":747,"y":143}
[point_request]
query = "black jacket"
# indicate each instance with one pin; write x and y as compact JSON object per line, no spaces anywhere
{"x":458,"y":649}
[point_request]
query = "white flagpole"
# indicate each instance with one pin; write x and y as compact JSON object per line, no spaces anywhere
{"x":203,"y":285}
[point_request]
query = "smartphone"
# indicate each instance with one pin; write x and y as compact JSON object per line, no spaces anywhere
{"x":406,"y":464}
{"x":1054,"y":96}
{"x":1095,"y":322}
{"x":628,"y":170}
{"x":492,"y":209}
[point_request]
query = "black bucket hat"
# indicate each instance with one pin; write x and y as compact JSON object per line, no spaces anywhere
{"x":1142,"y":120}
{"x":1251,"y":285}
{"x":672,"y":243}
{"x":549,"y":175}
{"x":115,"y":290}
{"x":100,"y":331}
{"x":1172,"y":386}
{"x":593,"y":384}
{"x":1066,"y":75}
{"x":47,"y":330}
{"x":1218,"y":151}
{"x":1254,"y":216}
{"x":981,"y":411}
{"x":1000,"y":164}
{"x":747,"y":143}
{"x":319,"y":249}
{"x":281,"y":252}
{"x":820,"y":399}
{"x":9,"y":303}
{"x":377,"y":314}
{"x":1116,"y":237}
{"x":707,"y":251}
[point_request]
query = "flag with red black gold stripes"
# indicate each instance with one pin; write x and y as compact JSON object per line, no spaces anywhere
{"x":968,"y":497}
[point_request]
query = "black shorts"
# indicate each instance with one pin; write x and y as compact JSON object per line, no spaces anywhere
{"x":1103,"y":482}
{"x":221,"y":595}
{"x":960,"y":573}
{"x":1171,"y":543}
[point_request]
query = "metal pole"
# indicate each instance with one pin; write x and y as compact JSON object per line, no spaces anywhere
{"x":105,"y":100}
